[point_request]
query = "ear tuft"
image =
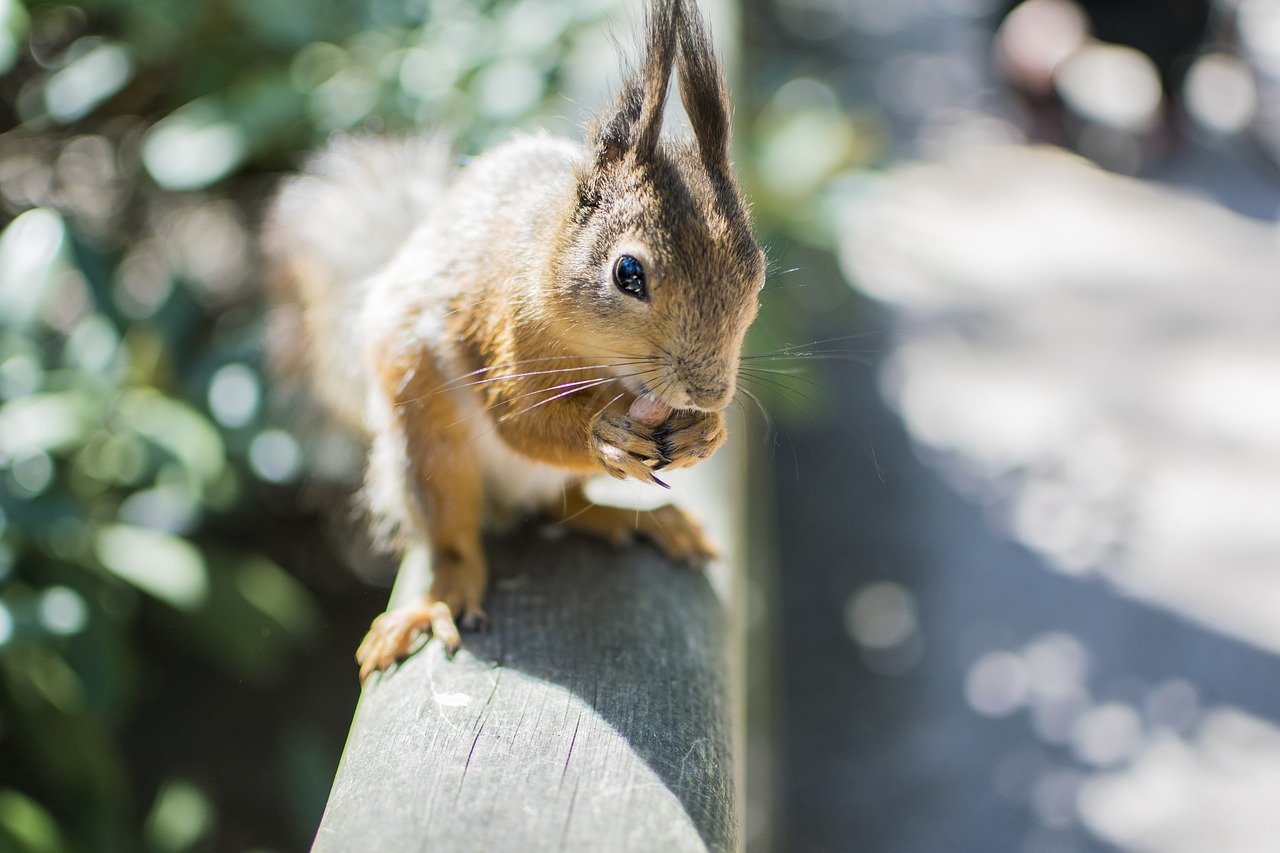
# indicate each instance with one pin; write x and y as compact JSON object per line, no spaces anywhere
{"x":702,"y":89}
{"x":634,"y":125}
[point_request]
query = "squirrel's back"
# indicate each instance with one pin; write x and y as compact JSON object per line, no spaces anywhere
{"x":327,"y":231}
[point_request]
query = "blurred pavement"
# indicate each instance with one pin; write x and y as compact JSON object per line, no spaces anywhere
{"x":1031,"y":579}
{"x":1086,"y":566}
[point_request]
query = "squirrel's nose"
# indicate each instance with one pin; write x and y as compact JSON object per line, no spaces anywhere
{"x":710,"y":394}
{"x":707,"y":381}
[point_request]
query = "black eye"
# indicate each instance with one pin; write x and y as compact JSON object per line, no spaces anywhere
{"x":628,"y":274}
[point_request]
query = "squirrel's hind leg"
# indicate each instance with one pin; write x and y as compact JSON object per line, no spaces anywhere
{"x":442,"y":499}
{"x":670,"y":528}
{"x":459,"y":578}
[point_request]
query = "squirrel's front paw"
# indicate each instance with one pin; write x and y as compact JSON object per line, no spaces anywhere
{"x":626,"y":448}
{"x":689,"y":437}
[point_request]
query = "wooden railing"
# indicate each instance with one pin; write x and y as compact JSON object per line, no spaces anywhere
{"x":599,"y":714}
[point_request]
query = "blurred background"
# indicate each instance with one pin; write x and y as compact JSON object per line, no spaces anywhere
{"x":1021,"y":465}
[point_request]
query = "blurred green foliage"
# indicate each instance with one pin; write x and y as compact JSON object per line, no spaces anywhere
{"x":137,"y":454}
{"x":140,"y":466}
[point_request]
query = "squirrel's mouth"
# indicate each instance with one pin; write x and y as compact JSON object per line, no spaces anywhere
{"x":680,"y":393}
{"x":673,"y":398}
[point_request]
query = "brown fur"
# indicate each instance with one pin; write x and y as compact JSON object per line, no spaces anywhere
{"x":497,"y":348}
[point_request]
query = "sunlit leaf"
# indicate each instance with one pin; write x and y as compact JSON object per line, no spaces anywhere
{"x":277,"y":594}
{"x":165,"y":566}
{"x":176,"y":427}
{"x":57,"y":683}
{"x":181,"y":816}
{"x":252,"y":619}
{"x":87,"y":81}
{"x":193,"y":147}
{"x":27,"y":824}
{"x":6,"y":624}
{"x":30,"y":250}
{"x":45,"y":422}
{"x":13,"y":26}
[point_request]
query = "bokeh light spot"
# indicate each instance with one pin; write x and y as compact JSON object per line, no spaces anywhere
{"x":1173,"y":705}
{"x":1219,"y":93}
{"x":1107,"y":734}
{"x":234,"y":394}
{"x":143,"y":281}
{"x":19,"y":376}
{"x":1055,"y":717}
{"x":881,"y":615}
{"x":427,"y":74}
{"x":31,"y":473}
{"x":1056,"y":795}
{"x":1057,"y":664}
{"x":996,"y":685}
{"x":1113,"y":85}
{"x":63,"y":610}
{"x":508,"y":88}
{"x":345,"y":98}
{"x":274,"y":456}
{"x":93,"y":344}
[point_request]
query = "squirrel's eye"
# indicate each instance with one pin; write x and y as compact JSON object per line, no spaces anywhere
{"x":628,"y":274}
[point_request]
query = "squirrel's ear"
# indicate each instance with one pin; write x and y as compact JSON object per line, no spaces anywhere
{"x":635,"y":124}
{"x":702,"y":90}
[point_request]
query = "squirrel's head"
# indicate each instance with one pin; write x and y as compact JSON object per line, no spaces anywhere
{"x":664,"y":268}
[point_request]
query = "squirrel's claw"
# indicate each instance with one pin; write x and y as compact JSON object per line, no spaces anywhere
{"x":400,"y":632}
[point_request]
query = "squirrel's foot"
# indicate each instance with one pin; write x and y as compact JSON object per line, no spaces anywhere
{"x":675,"y":533}
{"x":399,"y":632}
{"x":687,"y":437}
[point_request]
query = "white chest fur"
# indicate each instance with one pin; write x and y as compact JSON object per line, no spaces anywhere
{"x":514,"y":485}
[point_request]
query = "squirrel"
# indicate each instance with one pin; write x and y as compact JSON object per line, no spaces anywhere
{"x":498,"y":333}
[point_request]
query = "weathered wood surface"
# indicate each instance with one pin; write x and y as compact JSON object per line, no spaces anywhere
{"x":595,"y":716}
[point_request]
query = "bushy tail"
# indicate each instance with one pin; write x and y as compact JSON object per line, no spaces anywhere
{"x":325,"y":233}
